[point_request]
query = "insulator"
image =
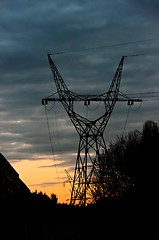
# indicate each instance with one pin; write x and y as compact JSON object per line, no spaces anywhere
{"x":87,"y":102}
{"x":130,"y":102}
{"x":44,"y":102}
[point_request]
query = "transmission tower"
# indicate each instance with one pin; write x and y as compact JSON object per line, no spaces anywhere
{"x":91,"y":140}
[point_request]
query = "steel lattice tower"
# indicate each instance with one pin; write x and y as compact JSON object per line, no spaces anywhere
{"x":91,"y":140}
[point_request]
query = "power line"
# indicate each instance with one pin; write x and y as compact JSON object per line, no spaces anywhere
{"x":105,"y":46}
{"x":152,"y":95}
{"x":126,"y":119}
{"x":139,"y":93}
{"x":143,"y":53}
{"x":51,"y":143}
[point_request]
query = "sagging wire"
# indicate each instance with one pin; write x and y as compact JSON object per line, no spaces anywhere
{"x":128,"y":112}
{"x":51,"y":144}
{"x":136,"y":109}
{"x":94,"y":109}
{"x":127,"y":116}
{"x":49,"y":109}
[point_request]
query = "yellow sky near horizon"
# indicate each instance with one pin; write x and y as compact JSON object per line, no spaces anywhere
{"x":37,"y":175}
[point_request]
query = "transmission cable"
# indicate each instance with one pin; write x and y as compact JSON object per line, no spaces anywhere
{"x":51,"y":143}
{"x":128,"y":112}
{"x":105,"y":46}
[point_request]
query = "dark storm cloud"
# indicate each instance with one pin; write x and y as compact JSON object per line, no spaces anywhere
{"x":147,"y":7}
{"x":31,"y":29}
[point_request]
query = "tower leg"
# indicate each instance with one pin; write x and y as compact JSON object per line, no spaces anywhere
{"x":87,"y":169}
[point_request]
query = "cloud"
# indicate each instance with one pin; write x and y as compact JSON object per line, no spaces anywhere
{"x":44,"y":184}
{"x":29,"y":30}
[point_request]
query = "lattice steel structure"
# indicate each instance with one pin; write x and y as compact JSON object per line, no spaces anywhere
{"x":91,"y":140}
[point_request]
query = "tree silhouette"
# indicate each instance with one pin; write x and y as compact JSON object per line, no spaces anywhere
{"x":130,"y":166}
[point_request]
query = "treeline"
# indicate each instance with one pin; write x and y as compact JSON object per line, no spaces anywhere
{"x":129,"y":169}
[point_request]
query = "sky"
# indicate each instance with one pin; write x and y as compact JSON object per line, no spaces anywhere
{"x":87,"y":40}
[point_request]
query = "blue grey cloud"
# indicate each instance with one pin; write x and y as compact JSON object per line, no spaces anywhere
{"x":79,"y":29}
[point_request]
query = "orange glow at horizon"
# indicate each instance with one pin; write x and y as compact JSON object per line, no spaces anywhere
{"x":42,"y":175}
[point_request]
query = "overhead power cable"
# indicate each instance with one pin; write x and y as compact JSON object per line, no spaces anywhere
{"x":51,"y":143}
{"x":147,"y":96}
{"x":105,"y":46}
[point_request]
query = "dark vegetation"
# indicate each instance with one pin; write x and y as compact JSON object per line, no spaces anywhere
{"x":126,"y":199}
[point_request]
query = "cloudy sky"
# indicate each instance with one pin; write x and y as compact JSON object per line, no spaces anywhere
{"x":91,"y":37}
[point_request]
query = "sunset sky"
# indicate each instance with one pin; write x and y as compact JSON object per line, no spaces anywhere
{"x":87,"y":39}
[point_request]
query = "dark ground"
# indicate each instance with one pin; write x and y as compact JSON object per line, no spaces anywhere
{"x":80,"y":224}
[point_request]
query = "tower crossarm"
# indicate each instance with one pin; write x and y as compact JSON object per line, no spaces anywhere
{"x":87,"y":99}
{"x":67,"y":98}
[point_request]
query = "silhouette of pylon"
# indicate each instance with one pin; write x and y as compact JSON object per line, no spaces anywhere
{"x":91,"y":141}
